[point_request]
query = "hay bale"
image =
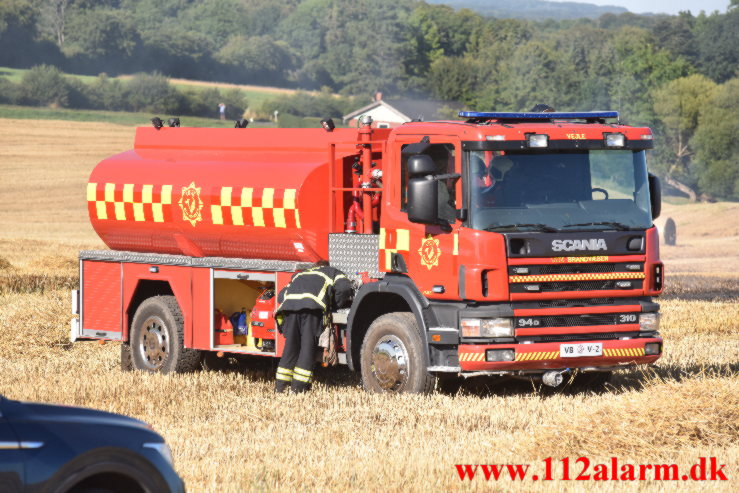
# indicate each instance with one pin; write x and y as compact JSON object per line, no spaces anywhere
{"x":667,"y":230}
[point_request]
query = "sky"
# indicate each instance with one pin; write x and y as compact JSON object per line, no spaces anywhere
{"x":662,"y":6}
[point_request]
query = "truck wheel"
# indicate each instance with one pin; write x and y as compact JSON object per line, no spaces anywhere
{"x":157,"y":338}
{"x":392,"y":358}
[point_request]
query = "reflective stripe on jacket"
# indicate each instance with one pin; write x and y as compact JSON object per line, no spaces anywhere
{"x":320,"y":288}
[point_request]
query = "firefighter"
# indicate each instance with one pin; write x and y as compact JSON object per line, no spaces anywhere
{"x":304,"y":308}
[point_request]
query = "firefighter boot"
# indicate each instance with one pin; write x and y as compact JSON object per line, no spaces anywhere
{"x":284,"y":377}
{"x":302,"y":380}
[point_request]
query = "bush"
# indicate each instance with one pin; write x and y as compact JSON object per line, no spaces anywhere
{"x":44,"y":85}
{"x":153,"y":93}
{"x":106,"y":93}
{"x":323,"y":105}
{"x":286,"y":120}
{"x":9,"y":93}
{"x":205,"y":102}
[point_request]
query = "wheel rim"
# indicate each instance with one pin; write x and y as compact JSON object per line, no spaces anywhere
{"x":152,"y":343}
{"x":390,"y":363}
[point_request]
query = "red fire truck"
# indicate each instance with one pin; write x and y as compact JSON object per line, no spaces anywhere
{"x":503,"y":244}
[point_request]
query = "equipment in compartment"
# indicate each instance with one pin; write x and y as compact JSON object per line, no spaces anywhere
{"x":237,"y":296}
{"x":263,"y":324}
{"x":224,"y":333}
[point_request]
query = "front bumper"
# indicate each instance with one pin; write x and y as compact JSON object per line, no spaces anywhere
{"x":546,"y":356}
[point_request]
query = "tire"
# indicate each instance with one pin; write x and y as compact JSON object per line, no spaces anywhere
{"x":87,"y":473}
{"x":392,"y":357}
{"x":157,"y":338}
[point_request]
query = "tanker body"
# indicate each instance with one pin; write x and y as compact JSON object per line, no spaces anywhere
{"x":505,"y":245}
{"x":216,"y":193}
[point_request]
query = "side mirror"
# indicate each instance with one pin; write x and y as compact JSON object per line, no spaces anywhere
{"x":420,"y":165}
{"x":655,"y":195}
{"x":423,"y":200}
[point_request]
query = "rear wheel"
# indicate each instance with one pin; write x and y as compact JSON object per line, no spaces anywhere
{"x":157,"y":338}
{"x":392,"y":357}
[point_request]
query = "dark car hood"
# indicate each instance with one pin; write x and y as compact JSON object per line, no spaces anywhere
{"x":34,"y":412}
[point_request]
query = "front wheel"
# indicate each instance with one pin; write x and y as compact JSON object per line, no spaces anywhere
{"x":157,"y":338}
{"x":392,"y":357}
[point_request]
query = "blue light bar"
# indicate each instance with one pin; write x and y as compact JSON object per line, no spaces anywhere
{"x":587,"y":115}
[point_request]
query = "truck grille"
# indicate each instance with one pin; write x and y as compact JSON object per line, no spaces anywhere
{"x":604,"y":336}
{"x":577,"y":320}
{"x":549,"y":287}
{"x":573,"y":276}
{"x":576,"y":269}
{"x":556,"y":287}
{"x":582,"y":302}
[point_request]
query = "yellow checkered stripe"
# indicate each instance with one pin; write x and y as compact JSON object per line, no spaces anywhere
{"x":593,"y":276}
{"x":258,"y":207}
{"x":471,"y":356}
{"x":402,"y":245}
{"x":130,"y":202}
{"x":537,"y":355}
{"x":631,"y":351}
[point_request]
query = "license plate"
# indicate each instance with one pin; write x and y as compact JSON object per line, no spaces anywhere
{"x":580,"y":350}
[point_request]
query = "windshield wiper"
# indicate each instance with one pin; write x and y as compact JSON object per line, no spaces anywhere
{"x":613,"y":224}
{"x":539,"y":226}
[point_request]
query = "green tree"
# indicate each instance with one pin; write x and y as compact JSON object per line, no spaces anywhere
{"x":717,"y":36}
{"x":262,"y":58}
{"x":99,"y":34}
{"x":716,"y":144}
{"x":46,"y":86}
{"x":678,"y":106}
{"x":153,"y":92}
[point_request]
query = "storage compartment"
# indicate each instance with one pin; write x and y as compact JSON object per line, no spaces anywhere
{"x":236,"y":308}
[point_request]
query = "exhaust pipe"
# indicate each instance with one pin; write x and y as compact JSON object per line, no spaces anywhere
{"x":553,"y":378}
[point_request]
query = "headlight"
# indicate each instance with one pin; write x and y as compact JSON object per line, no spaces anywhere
{"x":487,"y":327}
{"x":614,"y":139}
{"x":163,"y":450}
{"x":649,"y":321}
{"x":538,"y":140}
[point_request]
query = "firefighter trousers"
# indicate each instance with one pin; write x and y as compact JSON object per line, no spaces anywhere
{"x":301,"y":330}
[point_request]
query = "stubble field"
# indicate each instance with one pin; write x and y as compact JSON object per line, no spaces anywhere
{"x":229,"y":432}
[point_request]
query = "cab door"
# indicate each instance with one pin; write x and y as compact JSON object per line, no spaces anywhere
{"x":430,"y":252}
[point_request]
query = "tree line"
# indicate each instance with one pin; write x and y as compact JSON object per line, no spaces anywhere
{"x":676,"y":74}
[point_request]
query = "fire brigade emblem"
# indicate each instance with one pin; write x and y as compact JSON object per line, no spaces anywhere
{"x":191,"y":204}
{"x":430,"y":252}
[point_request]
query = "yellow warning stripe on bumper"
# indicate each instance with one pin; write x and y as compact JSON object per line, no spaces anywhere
{"x":578,"y":277}
{"x":471,"y":356}
{"x":634,"y":351}
{"x":536,"y":355}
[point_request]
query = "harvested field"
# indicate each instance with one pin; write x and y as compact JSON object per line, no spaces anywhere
{"x":229,"y":432}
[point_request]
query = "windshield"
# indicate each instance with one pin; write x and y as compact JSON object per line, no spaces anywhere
{"x":558,"y":191}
